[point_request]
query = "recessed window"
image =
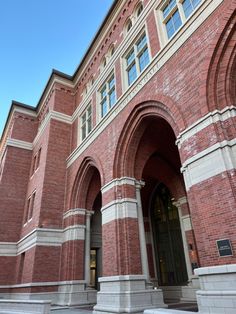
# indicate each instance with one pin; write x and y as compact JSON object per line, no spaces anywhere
{"x":107,"y":95}
{"x":137,"y":59}
{"x":128,"y":25}
{"x":29,"y":207}
{"x":86,"y":122}
{"x":139,"y":9}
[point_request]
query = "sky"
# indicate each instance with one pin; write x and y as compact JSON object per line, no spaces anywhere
{"x":37,"y":36}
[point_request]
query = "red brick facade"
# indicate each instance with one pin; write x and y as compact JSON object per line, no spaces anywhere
{"x":178,"y":114}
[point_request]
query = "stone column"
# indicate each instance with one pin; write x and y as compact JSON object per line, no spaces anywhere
{"x":143,"y":246}
{"x":87,"y":247}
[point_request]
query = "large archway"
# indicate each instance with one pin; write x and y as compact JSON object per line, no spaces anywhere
{"x":150,"y":155}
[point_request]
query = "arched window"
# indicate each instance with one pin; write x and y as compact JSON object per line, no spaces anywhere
{"x":139,"y":9}
{"x":128,"y":25}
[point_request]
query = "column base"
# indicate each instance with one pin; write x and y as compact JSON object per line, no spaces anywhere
{"x":218,"y":289}
{"x":126,"y":294}
{"x":76,"y":294}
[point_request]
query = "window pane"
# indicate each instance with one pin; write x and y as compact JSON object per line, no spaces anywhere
{"x":143,"y":60}
{"x":112,"y":98}
{"x":130,"y":57}
{"x":83,"y":118}
{"x":89,"y":111}
{"x":104,"y":108}
{"x":177,"y":20}
{"x":111,"y":83}
{"x":171,"y":4}
{"x":141,"y":43}
{"x":103,"y":92}
{"x":132,"y":74}
{"x":189,"y":6}
{"x":83,"y":129}
{"x":173,"y":24}
{"x":89,"y":124}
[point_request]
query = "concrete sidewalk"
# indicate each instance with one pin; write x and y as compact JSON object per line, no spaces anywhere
{"x":78,"y":310}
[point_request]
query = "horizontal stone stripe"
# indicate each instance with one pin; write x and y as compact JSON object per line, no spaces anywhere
{"x":74,"y":212}
{"x":43,"y":237}
{"x":19,"y":144}
{"x":118,"y":182}
{"x":43,"y":284}
{"x":208,"y":119}
{"x":212,"y":161}
{"x":119,"y":209}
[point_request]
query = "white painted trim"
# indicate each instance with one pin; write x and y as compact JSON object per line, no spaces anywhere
{"x":212,"y":161}
{"x":118,"y":182}
{"x":119,"y":209}
{"x":19,"y":144}
{"x":208,"y":119}
{"x":154,"y":66}
{"x":74,"y":212}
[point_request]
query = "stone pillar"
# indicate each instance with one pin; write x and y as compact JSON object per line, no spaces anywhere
{"x":143,"y":246}
{"x":87,"y":247}
{"x":123,"y":287}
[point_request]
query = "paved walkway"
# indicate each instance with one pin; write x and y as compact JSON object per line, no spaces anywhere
{"x":71,"y":311}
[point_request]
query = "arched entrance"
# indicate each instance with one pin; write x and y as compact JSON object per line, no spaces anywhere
{"x":96,"y":243}
{"x":151,"y":155}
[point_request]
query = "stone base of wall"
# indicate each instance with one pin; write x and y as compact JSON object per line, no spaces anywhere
{"x":218,"y":289}
{"x":217,"y":294}
{"x":67,"y":293}
{"x":126,"y":294}
{"x":24,"y":306}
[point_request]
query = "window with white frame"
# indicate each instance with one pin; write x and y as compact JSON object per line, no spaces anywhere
{"x":175,"y":12}
{"x":86,"y":122}
{"x":137,"y":59}
{"x":107,"y":95}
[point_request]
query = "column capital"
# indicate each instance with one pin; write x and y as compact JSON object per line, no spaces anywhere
{"x":139,"y":184}
{"x":89,"y":212}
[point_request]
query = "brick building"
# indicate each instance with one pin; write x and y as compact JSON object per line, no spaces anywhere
{"x":125,"y":171}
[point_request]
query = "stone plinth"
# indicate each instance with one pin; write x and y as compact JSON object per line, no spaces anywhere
{"x":24,"y":306}
{"x":126,"y":294}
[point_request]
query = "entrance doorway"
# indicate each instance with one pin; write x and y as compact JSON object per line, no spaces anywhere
{"x":168,"y":243}
{"x":96,"y":244}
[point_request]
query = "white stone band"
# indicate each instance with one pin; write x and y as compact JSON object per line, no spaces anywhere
{"x":210,"y":118}
{"x":74,"y":212}
{"x":212,"y":161}
{"x":19,"y":144}
{"x":42,"y":237}
{"x":119,"y":209}
{"x":118,"y":182}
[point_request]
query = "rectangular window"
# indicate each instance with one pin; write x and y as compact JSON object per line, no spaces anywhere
{"x":29,"y":208}
{"x":189,"y":6}
{"x":108,"y":95}
{"x":175,"y":13}
{"x":137,"y":59}
{"x":172,"y":19}
{"x":86,"y":122}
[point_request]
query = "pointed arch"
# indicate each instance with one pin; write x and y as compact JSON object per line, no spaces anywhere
{"x":221,"y":80}
{"x":81,"y":191}
{"x":132,"y":132}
